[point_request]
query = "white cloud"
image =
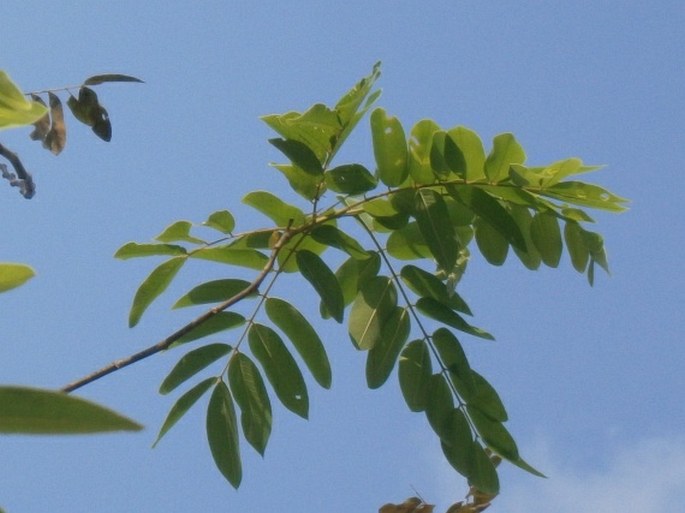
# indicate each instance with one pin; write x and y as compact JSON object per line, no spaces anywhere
{"x":644,"y":477}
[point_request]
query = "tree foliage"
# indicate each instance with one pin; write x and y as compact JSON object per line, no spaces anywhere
{"x":383,"y":247}
{"x":405,"y":233}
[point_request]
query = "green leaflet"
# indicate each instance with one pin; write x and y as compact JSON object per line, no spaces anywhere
{"x":420,"y":144}
{"x":308,"y":344}
{"x":260,"y":239}
{"x":453,"y":356}
{"x":182,"y":405}
{"x":348,"y":107}
{"x":408,"y":243}
{"x":351,"y":274}
{"x":494,"y":434}
{"x":488,"y":208}
{"x":47,"y":412}
{"x":389,"y":148}
{"x":523,"y":218}
{"x":375,"y":302}
{"x":546,"y":236}
{"x":575,"y":244}
{"x":426,"y":284}
{"x":179,"y":231}
{"x":221,"y":220}
{"x":280,"y":368}
{"x":557,"y":171}
{"x":472,"y":149}
{"x":431,"y":214}
{"x":386,"y":212}
{"x":587,"y":195}
{"x":505,"y":151}
{"x":482,"y":474}
{"x":350,"y":179}
{"x":458,"y":445}
{"x":249,"y":258}
{"x":110,"y":77}
{"x":135,"y":250}
{"x":436,"y":310}
{"x":250,"y":394}
{"x":480,"y":394}
{"x":446,"y":157}
{"x":15,"y":109}
{"x":300,"y":154}
{"x":316,"y":129}
{"x":382,"y":356}
{"x":156,"y":283}
{"x":414,"y":373}
{"x":490,"y":242}
{"x":306,"y":185}
{"x":13,"y":275}
{"x":297,"y":243}
{"x":316,"y":272}
{"x":214,"y":291}
{"x":439,"y":406}
{"x":274,"y":208}
{"x":595,"y":244}
{"x":218,"y":322}
{"x":222,"y":434}
{"x":331,"y":236}
{"x":192,"y":363}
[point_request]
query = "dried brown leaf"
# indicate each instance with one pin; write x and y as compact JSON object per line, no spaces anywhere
{"x":56,"y":138}
{"x":42,"y":126}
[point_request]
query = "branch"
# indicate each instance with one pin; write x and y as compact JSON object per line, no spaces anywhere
{"x":164,"y":344}
{"x":22,"y":178}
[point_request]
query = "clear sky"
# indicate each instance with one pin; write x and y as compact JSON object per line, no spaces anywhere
{"x":592,"y":377}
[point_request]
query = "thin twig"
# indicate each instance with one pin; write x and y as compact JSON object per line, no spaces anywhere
{"x":164,"y":344}
{"x":23,"y":178}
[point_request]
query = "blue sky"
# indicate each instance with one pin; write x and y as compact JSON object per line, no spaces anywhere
{"x":592,"y":377}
